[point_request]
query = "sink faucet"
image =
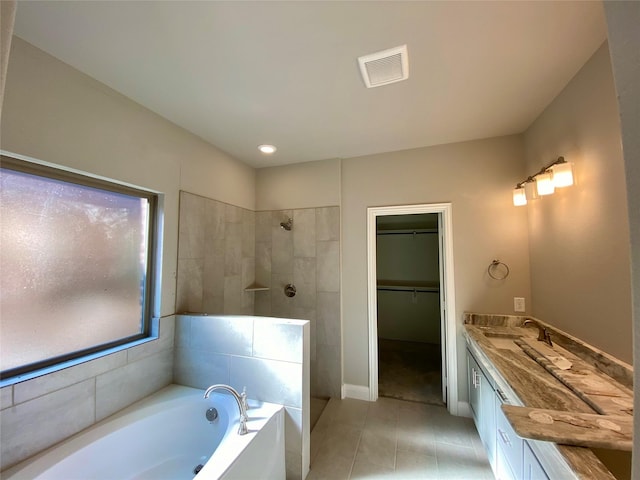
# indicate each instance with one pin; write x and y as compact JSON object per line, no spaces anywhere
{"x":543,"y":333}
{"x":241,"y":400}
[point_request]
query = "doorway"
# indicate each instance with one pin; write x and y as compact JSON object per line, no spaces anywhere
{"x":409,"y":323}
{"x":412,"y":311}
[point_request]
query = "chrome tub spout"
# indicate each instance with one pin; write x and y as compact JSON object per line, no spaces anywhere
{"x":241,"y":400}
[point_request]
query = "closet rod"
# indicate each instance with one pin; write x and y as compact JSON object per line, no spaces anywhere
{"x":413,"y":232}
{"x":411,"y":290}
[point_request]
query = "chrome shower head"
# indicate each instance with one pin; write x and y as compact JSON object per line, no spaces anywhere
{"x":287,"y":225}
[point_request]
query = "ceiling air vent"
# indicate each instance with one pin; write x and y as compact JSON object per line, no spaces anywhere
{"x":382,"y":68}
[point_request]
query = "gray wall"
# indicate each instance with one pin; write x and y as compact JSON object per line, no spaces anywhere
{"x":302,"y":185}
{"x":623,"y":19}
{"x":579,"y":236}
{"x":409,"y":317}
{"x":403,"y":315}
{"x":477,"y":178}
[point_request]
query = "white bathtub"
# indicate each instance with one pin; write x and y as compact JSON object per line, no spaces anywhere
{"x":166,"y":436}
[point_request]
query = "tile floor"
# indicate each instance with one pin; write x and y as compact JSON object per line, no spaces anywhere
{"x":395,"y":439}
{"x":317,"y":407}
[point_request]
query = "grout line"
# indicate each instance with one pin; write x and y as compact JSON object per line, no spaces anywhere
{"x":353,"y":462}
{"x":395,"y":451}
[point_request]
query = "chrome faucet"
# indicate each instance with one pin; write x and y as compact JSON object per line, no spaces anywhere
{"x":543,"y":333}
{"x":241,"y":400}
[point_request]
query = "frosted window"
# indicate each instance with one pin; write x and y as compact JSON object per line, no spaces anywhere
{"x":74,"y":262}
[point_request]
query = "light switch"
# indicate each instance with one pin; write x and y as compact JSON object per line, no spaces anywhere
{"x":518,"y":304}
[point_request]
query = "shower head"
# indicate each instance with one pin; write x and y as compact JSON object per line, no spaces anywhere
{"x":287,"y":225}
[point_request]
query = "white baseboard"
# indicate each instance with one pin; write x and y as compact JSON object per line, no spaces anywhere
{"x":464,"y":410}
{"x":359,"y":392}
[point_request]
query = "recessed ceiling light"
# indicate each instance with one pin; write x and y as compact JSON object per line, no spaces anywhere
{"x":267,"y":149}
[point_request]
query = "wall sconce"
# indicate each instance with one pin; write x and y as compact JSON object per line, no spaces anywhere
{"x":557,"y":174}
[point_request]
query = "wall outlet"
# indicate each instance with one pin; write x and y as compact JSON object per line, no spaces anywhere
{"x":518,"y":304}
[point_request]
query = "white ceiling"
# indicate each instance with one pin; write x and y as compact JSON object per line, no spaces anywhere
{"x":239,"y":74}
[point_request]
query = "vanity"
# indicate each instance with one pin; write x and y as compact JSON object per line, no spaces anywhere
{"x":542,"y":399}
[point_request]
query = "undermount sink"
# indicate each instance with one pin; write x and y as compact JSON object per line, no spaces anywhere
{"x":504,"y":342}
{"x":507,"y":342}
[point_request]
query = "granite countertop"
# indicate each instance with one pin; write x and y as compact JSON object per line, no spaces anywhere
{"x":573,"y":394}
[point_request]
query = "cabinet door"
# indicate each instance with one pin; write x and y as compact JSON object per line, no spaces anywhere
{"x":482,"y":402}
{"x":509,"y":444}
{"x":488,"y":409}
{"x":474,"y":388}
{"x":532,"y":468}
{"x":503,"y":470}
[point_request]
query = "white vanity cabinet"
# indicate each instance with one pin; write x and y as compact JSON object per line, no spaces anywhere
{"x":482,"y":399}
{"x":532,"y":470}
{"x":511,"y":457}
{"x":509,"y":446}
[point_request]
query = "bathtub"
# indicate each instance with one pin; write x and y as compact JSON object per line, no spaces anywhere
{"x":167,"y":436}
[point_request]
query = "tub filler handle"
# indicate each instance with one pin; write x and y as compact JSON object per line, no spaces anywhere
{"x":241,"y":400}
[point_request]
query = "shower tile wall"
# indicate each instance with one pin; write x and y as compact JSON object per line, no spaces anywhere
{"x":309,"y":257}
{"x":216,"y":257}
{"x":222,"y":249}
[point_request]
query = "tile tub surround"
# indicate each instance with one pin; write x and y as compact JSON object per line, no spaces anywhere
{"x":309,"y":257}
{"x":269,"y":356}
{"x":535,"y":387}
{"x":42,"y":411}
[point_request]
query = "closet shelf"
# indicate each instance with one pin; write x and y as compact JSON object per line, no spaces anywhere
{"x":408,"y":286}
{"x":407,"y":231}
{"x":255,"y":287}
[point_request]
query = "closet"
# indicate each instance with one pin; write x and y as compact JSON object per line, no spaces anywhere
{"x":408,"y":307}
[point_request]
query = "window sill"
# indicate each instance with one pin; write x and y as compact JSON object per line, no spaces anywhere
{"x":77,"y":361}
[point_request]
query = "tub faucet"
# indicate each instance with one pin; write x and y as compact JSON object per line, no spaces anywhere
{"x":543,"y":333}
{"x":241,"y":400}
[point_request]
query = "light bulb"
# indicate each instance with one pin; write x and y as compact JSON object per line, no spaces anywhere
{"x":544,"y":183}
{"x":519,"y":197}
{"x":267,"y":149}
{"x":531,"y":191}
{"x":562,"y":174}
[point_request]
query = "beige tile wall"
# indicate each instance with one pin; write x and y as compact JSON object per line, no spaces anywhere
{"x":309,"y":257}
{"x":216,"y":257}
{"x":222,"y":249}
{"x":39,"y":412}
{"x":268,"y":356}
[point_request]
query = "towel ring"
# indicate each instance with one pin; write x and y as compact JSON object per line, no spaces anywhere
{"x":496,"y":272}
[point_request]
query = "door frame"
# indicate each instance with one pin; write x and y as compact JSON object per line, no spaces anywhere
{"x":447,"y":296}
